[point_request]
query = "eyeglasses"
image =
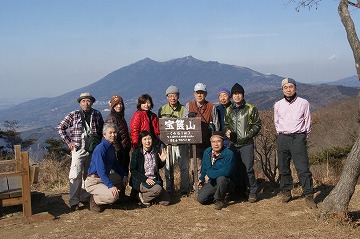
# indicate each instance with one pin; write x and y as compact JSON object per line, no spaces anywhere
{"x":172,"y":96}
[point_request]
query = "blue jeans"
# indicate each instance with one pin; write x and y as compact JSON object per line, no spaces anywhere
{"x":293,"y":146}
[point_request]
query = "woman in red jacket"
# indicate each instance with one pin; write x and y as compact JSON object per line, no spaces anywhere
{"x":144,"y":119}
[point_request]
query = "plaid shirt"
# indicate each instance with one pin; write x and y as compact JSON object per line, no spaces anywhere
{"x":73,"y":122}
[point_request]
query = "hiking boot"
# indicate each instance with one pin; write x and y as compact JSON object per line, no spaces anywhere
{"x":309,"y":201}
{"x":218,"y":204}
{"x":252,"y":198}
{"x":93,"y":206}
{"x":285,"y":196}
{"x":145,"y":204}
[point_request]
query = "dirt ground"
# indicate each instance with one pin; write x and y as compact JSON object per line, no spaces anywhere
{"x":185,"y":218}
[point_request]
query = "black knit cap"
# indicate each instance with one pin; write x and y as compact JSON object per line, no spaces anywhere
{"x":237,"y":88}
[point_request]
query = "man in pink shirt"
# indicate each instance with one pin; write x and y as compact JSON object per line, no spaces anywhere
{"x":293,"y":124}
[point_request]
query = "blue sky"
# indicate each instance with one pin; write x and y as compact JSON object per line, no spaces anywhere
{"x":48,"y":47}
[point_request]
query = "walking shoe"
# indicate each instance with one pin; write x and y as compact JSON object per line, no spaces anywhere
{"x":285,"y":196}
{"x":84,"y":202}
{"x":184,"y":194}
{"x":309,"y":201}
{"x":145,"y":204}
{"x":93,"y":206}
{"x":218,"y":204}
{"x":75,"y":207}
{"x":252,"y":198}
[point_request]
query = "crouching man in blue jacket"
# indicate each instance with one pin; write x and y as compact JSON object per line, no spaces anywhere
{"x":216,"y":172}
{"x":104,"y":186}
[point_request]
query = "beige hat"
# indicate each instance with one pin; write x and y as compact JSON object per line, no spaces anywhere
{"x":86,"y":95}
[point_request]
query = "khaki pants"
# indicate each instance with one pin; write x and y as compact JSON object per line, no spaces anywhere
{"x":156,"y":193}
{"x":102,"y":194}
{"x":80,"y":161}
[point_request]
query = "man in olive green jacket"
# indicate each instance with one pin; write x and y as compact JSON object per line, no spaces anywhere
{"x":173,"y":109}
{"x":242,"y":123}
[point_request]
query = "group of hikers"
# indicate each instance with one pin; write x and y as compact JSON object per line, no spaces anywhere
{"x":100,"y":150}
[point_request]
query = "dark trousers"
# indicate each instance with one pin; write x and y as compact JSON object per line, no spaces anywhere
{"x":209,"y":192}
{"x":293,"y":147}
{"x":246,"y":179}
{"x":123,"y":157}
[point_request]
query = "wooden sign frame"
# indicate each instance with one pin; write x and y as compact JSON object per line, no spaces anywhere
{"x":180,"y":130}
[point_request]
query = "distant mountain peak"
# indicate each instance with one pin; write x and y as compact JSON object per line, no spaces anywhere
{"x":146,"y":60}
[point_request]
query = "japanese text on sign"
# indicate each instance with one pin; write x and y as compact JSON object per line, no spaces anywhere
{"x":180,"y":130}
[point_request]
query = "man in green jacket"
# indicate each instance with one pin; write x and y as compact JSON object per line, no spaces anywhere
{"x":173,"y":109}
{"x":242,"y":123}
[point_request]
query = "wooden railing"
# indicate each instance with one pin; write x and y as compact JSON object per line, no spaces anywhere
{"x":10,"y":196}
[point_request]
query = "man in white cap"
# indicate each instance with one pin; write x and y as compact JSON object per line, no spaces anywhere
{"x":209,"y":120}
{"x":173,"y":109}
{"x":293,"y":124}
{"x":85,"y":129}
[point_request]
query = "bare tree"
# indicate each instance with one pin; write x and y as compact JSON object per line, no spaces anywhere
{"x":338,"y":200}
{"x":265,"y":147}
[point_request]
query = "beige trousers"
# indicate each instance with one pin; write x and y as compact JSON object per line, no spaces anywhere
{"x":156,"y":193}
{"x":102,"y":194}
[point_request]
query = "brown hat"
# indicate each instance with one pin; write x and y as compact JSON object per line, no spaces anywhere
{"x":86,"y":95}
{"x":218,"y":134}
{"x":115,"y":99}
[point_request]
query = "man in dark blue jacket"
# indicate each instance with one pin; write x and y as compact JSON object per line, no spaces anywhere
{"x":224,"y":102}
{"x":216,"y":172}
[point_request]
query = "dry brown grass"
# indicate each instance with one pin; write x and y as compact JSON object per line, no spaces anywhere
{"x":185,"y":218}
{"x":53,"y":176}
{"x":334,"y":126}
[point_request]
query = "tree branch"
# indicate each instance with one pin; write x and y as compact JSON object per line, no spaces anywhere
{"x":355,"y":4}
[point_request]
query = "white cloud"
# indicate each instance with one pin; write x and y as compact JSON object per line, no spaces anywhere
{"x":332,"y":57}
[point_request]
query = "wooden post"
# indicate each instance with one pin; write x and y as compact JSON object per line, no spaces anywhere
{"x":171,"y":167}
{"x":195,"y":170}
{"x":17,"y":151}
{"x":26,"y":192}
